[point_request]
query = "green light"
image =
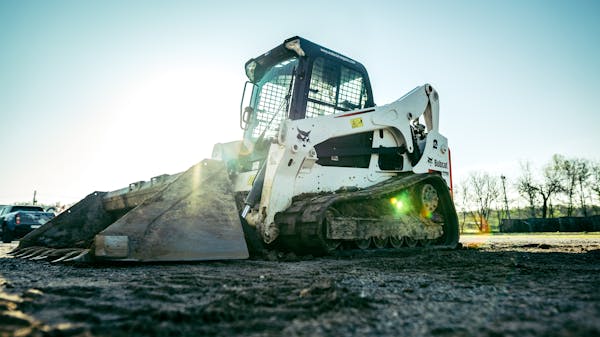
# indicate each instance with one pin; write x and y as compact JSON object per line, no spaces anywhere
{"x":401,"y":203}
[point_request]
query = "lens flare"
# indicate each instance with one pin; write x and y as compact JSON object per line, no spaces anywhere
{"x":400,"y":203}
{"x":426,"y":214}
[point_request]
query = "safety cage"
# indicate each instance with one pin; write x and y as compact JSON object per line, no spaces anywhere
{"x":300,"y":79}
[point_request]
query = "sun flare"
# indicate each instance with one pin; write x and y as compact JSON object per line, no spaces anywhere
{"x":170,"y":120}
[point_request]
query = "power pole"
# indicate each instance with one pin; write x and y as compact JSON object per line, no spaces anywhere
{"x":505,"y":198}
{"x":34,"y":194}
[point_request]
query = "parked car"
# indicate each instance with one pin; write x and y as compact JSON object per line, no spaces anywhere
{"x":17,"y":221}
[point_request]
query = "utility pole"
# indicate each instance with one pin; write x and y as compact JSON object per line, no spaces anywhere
{"x":34,"y":201}
{"x":505,"y":198}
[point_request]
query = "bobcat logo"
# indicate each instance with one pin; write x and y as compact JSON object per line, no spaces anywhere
{"x":303,"y":136}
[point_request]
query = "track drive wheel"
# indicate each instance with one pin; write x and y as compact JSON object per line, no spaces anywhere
{"x":434,"y":202}
{"x":427,"y":201}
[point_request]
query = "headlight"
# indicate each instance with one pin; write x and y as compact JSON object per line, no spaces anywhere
{"x":250,"y":68}
{"x":295,"y":46}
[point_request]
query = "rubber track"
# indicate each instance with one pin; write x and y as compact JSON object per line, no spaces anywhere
{"x":299,"y":224}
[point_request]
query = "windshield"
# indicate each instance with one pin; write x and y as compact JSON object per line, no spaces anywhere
{"x":270,"y":98}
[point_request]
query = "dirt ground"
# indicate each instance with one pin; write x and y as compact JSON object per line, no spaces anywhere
{"x":499,"y":285}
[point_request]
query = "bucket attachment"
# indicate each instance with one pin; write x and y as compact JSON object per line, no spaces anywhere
{"x":73,"y":228}
{"x":193,"y":218}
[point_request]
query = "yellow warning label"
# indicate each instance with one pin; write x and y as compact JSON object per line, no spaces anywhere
{"x":356,"y":122}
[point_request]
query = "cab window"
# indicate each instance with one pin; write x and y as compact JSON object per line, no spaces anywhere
{"x":334,"y":88}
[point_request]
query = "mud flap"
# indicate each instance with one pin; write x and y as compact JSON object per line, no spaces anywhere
{"x":194,"y":218}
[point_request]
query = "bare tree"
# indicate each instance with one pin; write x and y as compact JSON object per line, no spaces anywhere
{"x":485,"y":190}
{"x":461,"y":198}
{"x":583,"y":174}
{"x":552,"y":183}
{"x":569,"y":173}
{"x":595,"y":182}
{"x":575,"y":175}
{"x":527,"y":187}
{"x":595,"y":176}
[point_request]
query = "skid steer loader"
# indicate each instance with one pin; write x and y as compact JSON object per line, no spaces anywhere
{"x":320,"y":167}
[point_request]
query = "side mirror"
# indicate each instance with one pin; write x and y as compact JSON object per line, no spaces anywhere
{"x":245,"y":113}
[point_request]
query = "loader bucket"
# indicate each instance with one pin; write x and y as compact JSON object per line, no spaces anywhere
{"x":194,"y":218}
{"x":74,"y":228}
{"x":191,"y":216}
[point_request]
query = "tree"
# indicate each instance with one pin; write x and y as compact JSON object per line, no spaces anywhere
{"x":583,"y":174}
{"x":552,"y":183}
{"x":568,"y":168}
{"x":485,"y":189}
{"x":575,"y":175}
{"x":595,"y":176}
{"x":461,"y":198}
{"x":527,"y":187}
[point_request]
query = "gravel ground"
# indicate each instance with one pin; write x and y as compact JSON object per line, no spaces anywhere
{"x":501,"y":285}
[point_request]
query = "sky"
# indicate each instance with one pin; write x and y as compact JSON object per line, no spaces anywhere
{"x":95,"y":95}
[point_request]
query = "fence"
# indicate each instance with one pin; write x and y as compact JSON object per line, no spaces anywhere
{"x":563,"y":224}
